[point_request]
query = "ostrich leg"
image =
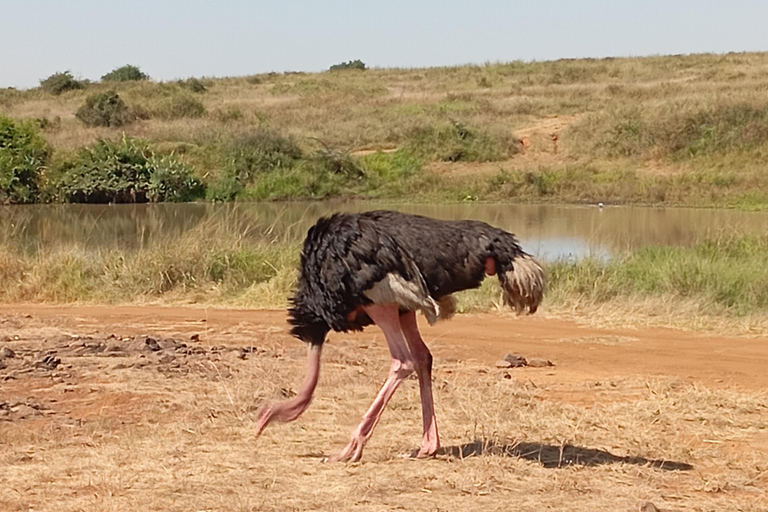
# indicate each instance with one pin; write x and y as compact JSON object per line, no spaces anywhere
{"x":292,"y":409}
{"x":430,"y":443}
{"x":388,"y":319}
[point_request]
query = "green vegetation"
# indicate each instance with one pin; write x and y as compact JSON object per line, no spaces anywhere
{"x":127,"y":171}
{"x":61,"y":82}
{"x":105,"y":109}
{"x":730,"y":272}
{"x":125,"y":73}
{"x":23,"y":157}
{"x":356,"y":64}
{"x":222,"y":262}
{"x":680,"y":130}
{"x":459,"y":143}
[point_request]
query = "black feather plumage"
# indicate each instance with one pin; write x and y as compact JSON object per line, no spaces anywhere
{"x":346,"y":254}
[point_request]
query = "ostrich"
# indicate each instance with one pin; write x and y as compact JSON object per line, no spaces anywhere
{"x":382,"y":267}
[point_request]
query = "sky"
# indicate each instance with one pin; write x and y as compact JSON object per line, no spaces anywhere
{"x":172,"y":39}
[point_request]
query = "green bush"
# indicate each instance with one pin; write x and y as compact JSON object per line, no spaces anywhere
{"x":353,"y":64}
{"x":259,"y":152}
{"x":61,"y":82}
{"x":250,"y":157}
{"x":125,"y":73}
{"x":124,"y":171}
{"x":105,"y":109}
{"x":459,"y":143}
{"x":23,"y":157}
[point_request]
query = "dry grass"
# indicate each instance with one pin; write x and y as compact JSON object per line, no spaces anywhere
{"x":139,"y":439}
{"x":673,"y":130}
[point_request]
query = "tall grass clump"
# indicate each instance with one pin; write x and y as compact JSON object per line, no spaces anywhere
{"x":217,"y":261}
{"x":714,"y":129}
{"x":726,"y":272}
{"x":193,"y":84}
{"x":105,"y":109}
{"x":24,"y":155}
{"x":124,"y":171}
{"x":457,"y":142}
{"x":177,"y":106}
{"x":125,"y":73}
{"x":61,"y":82}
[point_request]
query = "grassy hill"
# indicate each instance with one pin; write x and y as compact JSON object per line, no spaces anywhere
{"x":688,"y":130}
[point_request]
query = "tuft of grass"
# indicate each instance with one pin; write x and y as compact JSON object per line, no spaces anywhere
{"x":459,"y":143}
{"x":728,"y":272}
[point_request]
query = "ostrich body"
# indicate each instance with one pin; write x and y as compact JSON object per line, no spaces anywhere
{"x":381,"y":267}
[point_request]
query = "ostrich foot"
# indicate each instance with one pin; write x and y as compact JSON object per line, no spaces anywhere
{"x":352,"y":453}
{"x":429,"y":448}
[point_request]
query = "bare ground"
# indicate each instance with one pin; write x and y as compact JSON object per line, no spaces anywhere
{"x":154,"y":409}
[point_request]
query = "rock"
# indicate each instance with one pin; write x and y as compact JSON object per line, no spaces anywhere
{"x":168,"y":358}
{"x":152,"y":344}
{"x":501,"y":363}
{"x":515,"y":360}
{"x":49,"y":362}
{"x":3,"y":365}
{"x":537,"y":362}
{"x":649,"y":507}
{"x":7,"y":353}
{"x":23,"y":411}
{"x":195,"y":337}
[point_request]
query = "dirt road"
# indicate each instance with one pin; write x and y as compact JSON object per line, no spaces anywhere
{"x":155,"y":408}
{"x":578,"y":352}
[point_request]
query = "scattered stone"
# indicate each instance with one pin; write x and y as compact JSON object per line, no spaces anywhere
{"x":166,"y":359}
{"x":49,"y":362}
{"x":515,"y":360}
{"x":503,"y":364}
{"x":537,"y":362}
{"x":7,"y":353}
{"x":152,"y":344}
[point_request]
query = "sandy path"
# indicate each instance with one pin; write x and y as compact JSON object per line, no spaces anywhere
{"x":579,"y":352}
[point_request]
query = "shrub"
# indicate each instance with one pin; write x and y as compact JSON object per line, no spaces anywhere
{"x":193,"y":84}
{"x":124,"y":171}
{"x":251,"y":157}
{"x":457,"y":142}
{"x":260,"y":152}
{"x":105,"y":109}
{"x":61,"y":82}
{"x":353,"y":64}
{"x":23,"y":156}
{"x":125,"y":73}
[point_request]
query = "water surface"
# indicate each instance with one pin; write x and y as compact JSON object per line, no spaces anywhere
{"x":548,"y":231}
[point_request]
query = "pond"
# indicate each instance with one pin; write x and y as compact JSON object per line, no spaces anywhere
{"x":548,"y":231}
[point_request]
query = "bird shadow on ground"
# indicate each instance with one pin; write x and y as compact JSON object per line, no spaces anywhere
{"x":555,"y":456}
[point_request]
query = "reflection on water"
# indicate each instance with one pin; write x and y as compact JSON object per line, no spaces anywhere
{"x":548,"y":231}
